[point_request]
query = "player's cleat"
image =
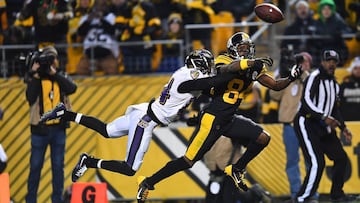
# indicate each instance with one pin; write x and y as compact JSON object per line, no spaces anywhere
{"x":238,"y":176}
{"x":143,"y":190}
{"x":55,"y":113}
{"x":80,"y":167}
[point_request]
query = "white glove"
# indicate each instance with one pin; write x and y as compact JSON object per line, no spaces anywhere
{"x":59,"y":16}
{"x":295,"y":72}
{"x":50,"y":16}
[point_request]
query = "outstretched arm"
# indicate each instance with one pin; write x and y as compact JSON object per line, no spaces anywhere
{"x":243,"y":64}
{"x":281,"y":83}
{"x":274,"y":84}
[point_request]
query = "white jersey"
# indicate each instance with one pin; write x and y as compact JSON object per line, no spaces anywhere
{"x":170,"y":101}
{"x":139,"y":126}
{"x":98,"y":36}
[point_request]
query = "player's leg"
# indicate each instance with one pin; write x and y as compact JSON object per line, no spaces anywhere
{"x":203,"y":138}
{"x":60,"y":112}
{"x":255,"y":139}
{"x":116,"y":128}
{"x":139,"y":138}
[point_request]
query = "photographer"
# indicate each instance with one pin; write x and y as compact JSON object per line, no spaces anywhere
{"x":46,"y":87}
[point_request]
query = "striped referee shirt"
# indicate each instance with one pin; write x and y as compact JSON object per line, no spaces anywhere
{"x":320,"y":96}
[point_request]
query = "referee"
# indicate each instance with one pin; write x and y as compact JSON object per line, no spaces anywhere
{"x":315,"y":125}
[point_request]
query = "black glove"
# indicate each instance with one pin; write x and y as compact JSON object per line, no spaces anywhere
{"x":265,"y":60}
{"x":193,"y":121}
{"x":257,"y":67}
{"x":295,"y":72}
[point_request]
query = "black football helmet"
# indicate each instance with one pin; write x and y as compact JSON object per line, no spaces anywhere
{"x":202,"y":60}
{"x":235,"y":41}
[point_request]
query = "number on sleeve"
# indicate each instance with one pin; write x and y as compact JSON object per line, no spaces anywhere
{"x":165,"y":93}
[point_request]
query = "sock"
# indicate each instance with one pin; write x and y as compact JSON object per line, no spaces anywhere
{"x":87,"y":121}
{"x":69,"y":116}
{"x":91,"y":162}
{"x":252,"y":150}
{"x":118,"y":167}
{"x":169,"y":169}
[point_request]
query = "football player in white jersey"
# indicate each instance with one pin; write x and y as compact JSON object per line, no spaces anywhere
{"x":139,"y":120}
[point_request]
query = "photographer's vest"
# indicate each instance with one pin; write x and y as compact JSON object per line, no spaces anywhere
{"x":50,"y":97}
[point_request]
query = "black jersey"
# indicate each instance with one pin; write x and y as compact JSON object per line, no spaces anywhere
{"x":226,"y":89}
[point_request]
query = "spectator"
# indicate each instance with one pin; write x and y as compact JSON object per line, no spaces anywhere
{"x":354,"y":7}
{"x":238,"y":8}
{"x":330,"y":23}
{"x":46,"y":87}
{"x":50,"y":21}
{"x":3,"y":20}
{"x":165,"y":8}
{"x":97,"y":29}
{"x":302,"y":25}
{"x":12,"y":9}
{"x":315,"y":126}
{"x":121,"y":10}
{"x":289,"y":102}
{"x":350,"y":92}
{"x":144,"y":26}
{"x":74,"y":53}
{"x":171,"y":51}
{"x":199,"y":12}
{"x":15,"y":35}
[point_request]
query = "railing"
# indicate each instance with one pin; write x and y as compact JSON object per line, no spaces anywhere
{"x":270,"y":42}
{"x":13,"y":66}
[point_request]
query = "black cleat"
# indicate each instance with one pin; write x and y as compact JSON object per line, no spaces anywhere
{"x":80,"y":168}
{"x":55,"y":113}
{"x":238,"y":176}
{"x":143,"y":190}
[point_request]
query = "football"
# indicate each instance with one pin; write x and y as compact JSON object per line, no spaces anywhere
{"x":269,"y":13}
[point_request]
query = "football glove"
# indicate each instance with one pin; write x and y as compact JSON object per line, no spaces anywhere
{"x":295,"y":72}
{"x":250,"y":72}
{"x":193,"y":121}
{"x":266,"y":60}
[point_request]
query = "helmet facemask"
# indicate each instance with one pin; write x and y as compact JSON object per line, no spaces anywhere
{"x":201,"y":60}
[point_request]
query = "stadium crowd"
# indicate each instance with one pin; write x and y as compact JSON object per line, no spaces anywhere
{"x":89,"y":30}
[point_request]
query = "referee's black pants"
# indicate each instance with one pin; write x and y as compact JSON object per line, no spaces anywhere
{"x":316,"y":140}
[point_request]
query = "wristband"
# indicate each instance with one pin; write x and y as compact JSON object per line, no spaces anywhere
{"x":244,"y":64}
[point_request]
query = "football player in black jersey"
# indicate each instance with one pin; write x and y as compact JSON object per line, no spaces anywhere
{"x":238,"y":70}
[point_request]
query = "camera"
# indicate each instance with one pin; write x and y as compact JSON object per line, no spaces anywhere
{"x":287,"y":60}
{"x":45,"y":61}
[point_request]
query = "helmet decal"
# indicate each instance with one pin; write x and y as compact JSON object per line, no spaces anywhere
{"x":202,"y":60}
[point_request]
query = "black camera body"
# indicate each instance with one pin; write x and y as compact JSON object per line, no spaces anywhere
{"x":45,"y":61}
